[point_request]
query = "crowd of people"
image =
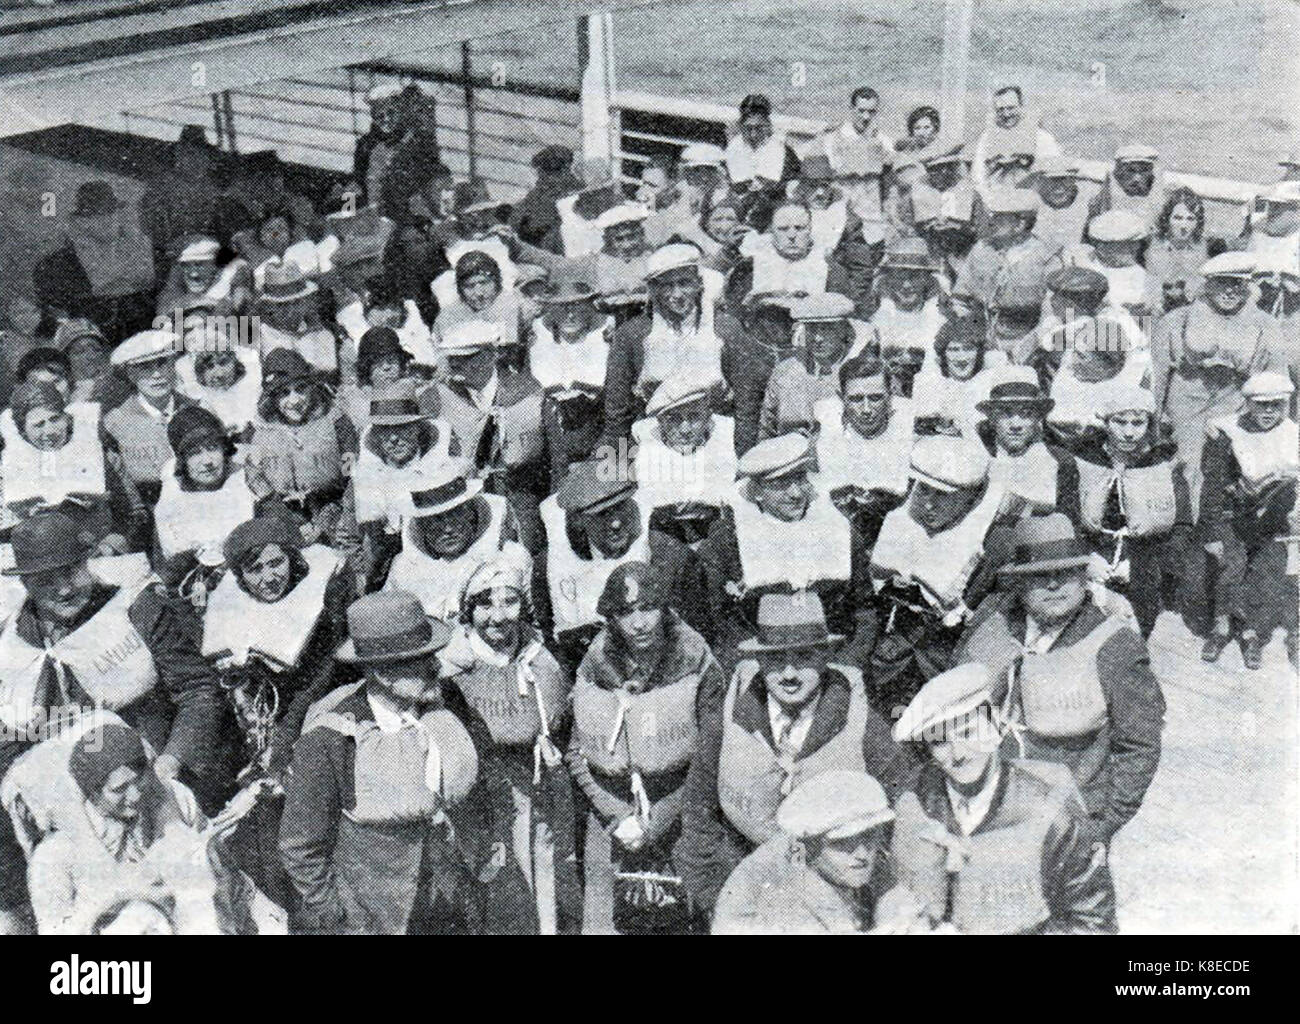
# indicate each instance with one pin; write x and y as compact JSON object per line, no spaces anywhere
{"x":767,"y":544}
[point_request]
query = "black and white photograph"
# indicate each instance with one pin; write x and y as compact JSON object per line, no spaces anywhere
{"x":487,"y":467}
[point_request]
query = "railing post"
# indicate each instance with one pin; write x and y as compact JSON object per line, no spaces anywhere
{"x":467,"y":79}
{"x":218,"y":121}
{"x":596,"y":65}
{"x":228,"y":108}
{"x":956,"y":66}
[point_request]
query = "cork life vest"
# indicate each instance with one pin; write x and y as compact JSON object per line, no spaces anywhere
{"x":1262,"y":456}
{"x":51,"y":476}
{"x":845,"y":457}
{"x":775,"y":273}
{"x":1146,"y":496}
{"x":237,"y":625}
{"x":200,"y":520}
{"x":437,"y":582}
{"x":828,"y":225}
{"x":667,"y":477}
{"x":955,"y":205}
{"x":1077,"y":401}
{"x":941,"y":564}
{"x":406,"y":776}
{"x":852,"y":153}
{"x":1030,"y":475}
{"x":514,"y":700}
{"x":106,"y":656}
{"x":579,"y":235}
{"x":1146,"y":208}
{"x":753,"y":778}
{"x":909,"y":329}
{"x":235,"y":406}
{"x":298,"y":460}
{"x":649,"y":732}
{"x":383,"y":491}
{"x":1009,"y":153}
{"x":746,"y":164}
{"x":574,"y":583}
{"x":141,"y":438}
{"x":561,"y":364}
{"x":816,"y":548}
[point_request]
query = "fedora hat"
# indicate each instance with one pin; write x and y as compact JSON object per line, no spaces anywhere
{"x":1044,"y":543}
{"x":786,"y":621}
{"x":446,"y":489}
{"x":396,"y":405}
{"x":45,"y":542}
{"x":1016,"y":392}
{"x":390,"y":625}
{"x":566,"y":290}
{"x":284,"y":282}
{"x":96,"y":198}
{"x":588,"y":488}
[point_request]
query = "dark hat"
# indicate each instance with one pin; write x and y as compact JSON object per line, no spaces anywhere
{"x":816,"y":168}
{"x":284,"y":366}
{"x":47,"y":541}
{"x":396,"y":405}
{"x":96,"y":198}
{"x":1045,"y":543}
{"x":553,"y":159}
{"x":566,"y":290}
{"x":41,"y":355}
{"x":100,"y":752}
{"x":378,"y":342}
{"x":390,"y":625}
{"x":786,"y":621}
{"x":755,"y":103}
{"x":630,"y":584}
{"x":255,"y":534}
{"x":1016,"y":392}
{"x":192,"y":425}
{"x":590,"y":486}
{"x":34,"y":394}
{"x":264,"y":161}
{"x":971,"y":329}
{"x":285,"y":282}
{"x":74,"y":330}
{"x":1076,"y":280}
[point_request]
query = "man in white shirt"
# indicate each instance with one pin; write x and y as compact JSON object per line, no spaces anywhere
{"x":1007,"y":150}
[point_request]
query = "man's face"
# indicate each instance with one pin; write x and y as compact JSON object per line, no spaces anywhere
{"x":479,"y":291}
{"x":398,"y":444}
{"x":626,"y":240}
{"x":47,"y":429}
{"x":936,"y":510}
{"x":266,"y":577}
{"x":827,"y":342}
{"x":792,"y":232}
{"x":498,"y":619}
{"x":850,"y":862}
{"x":641,"y":628}
{"x":60,"y":595}
{"x":1007,"y":109}
{"x":474,"y":369}
{"x":792,"y":677}
{"x":967,"y":753}
{"x":1127,"y":431}
{"x":1227,"y":294}
{"x":275,"y":234}
{"x":197,"y":275}
{"x":907,"y":287}
{"x":385,"y":116}
{"x":294,"y":402}
{"x":153,"y":379}
{"x":1117,"y":254}
{"x":1135,"y":177}
{"x":1006,"y":229}
{"x":867,"y":404}
{"x":414,"y":681}
{"x":1266,"y":413}
{"x":121,"y":794}
{"x":864,"y":112}
{"x":723,"y":225}
{"x":755,"y":129}
{"x":943,"y":176}
{"x":678,"y":292}
{"x":1052,"y":597}
{"x":449,"y":534}
{"x":613,"y":530}
{"x":572,"y":321}
{"x":784,"y":497}
{"x":206,"y":464}
{"x":1016,"y":427}
{"x":1058,"y":192}
{"x":685,"y":428}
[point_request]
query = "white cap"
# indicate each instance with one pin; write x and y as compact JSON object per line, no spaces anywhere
{"x":471,"y":336}
{"x":672,"y":256}
{"x":1136,"y":154}
{"x":1268,"y":387}
{"x":702,"y":154}
{"x":623,"y":213}
{"x":835,"y":804}
{"x":1116,"y":226}
{"x":1126,"y":398}
{"x":1230,"y":264}
{"x":147,"y":346}
{"x":677,"y":389}
{"x":384,"y":91}
{"x":945,"y":698}
{"x":198,"y":251}
{"x":949,"y":463}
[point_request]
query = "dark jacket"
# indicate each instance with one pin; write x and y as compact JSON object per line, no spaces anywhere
{"x":1227,"y":505}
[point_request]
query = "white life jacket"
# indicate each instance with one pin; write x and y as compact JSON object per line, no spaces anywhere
{"x":1263,"y":456}
{"x":319,"y":346}
{"x":382,"y":491}
{"x":298,"y":460}
{"x":1146,"y":208}
{"x":828,"y":225}
{"x":846,"y":458}
{"x":303,"y":254}
{"x":561,"y":364}
{"x":665,"y":476}
{"x":1146,"y":496}
{"x":106,"y":656}
{"x":444,"y":285}
{"x":650,"y":732}
{"x":942,"y":564}
{"x":909,"y":329}
{"x":437,"y":582}
{"x":815,"y":548}
{"x":775,"y":273}
{"x":1030,"y":475}
{"x":1284,"y":246}
{"x":236,"y":624}
{"x":575,"y":584}
{"x":1078,"y":401}
{"x":200,"y":520}
{"x":235,"y":406}
{"x":578,"y":235}
{"x":1126,"y":286}
{"x":413,"y":334}
{"x":1005,"y":144}
{"x":695,"y":351}
{"x":76,"y":468}
{"x":746,"y":164}
{"x":957,"y":400}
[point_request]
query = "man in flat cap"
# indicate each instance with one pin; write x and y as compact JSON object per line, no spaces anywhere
{"x":826,"y":870}
{"x":1113,"y":244}
{"x":1133,"y":184}
{"x":988,"y":844}
{"x":910,"y":312}
{"x":1011,"y":258}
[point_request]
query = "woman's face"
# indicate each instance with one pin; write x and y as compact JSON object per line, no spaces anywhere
{"x":154,"y":379}
{"x":1227,"y":294}
{"x":206,"y":464}
{"x":266,"y":577}
{"x":641,"y":627}
{"x":572,"y":321}
{"x":398,"y":444}
{"x":907,"y":287}
{"x":755,"y":130}
{"x":1127,"y":431}
{"x":294,"y":403}
{"x":1266,"y":412}
{"x":386,"y":370}
{"x":784,"y":497}
{"x":685,"y":428}
{"x":47,"y":429}
{"x":198,"y":275}
{"x":275,"y":234}
{"x":498,"y":620}
{"x":221,"y":372}
{"x":961,"y":359}
{"x":924,"y":130}
{"x":479,"y":291}
{"x":722,"y":224}
{"x":1182,"y":223}
{"x":87,"y":358}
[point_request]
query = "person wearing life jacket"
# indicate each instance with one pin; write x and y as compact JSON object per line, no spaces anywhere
{"x":53,"y":458}
{"x":1073,"y":683}
{"x":701,"y":175}
{"x":93,"y":377}
{"x":196,"y":281}
{"x":480,"y":296}
{"x":479,"y":227}
{"x":759,"y":162}
{"x":1178,"y":247}
{"x":934,"y":561}
{"x":864,"y":440}
{"x":1202,"y":354}
{"x":941,"y":208}
{"x":1010,"y":259}
{"x":1113,"y":246}
{"x":80,"y":641}
{"x":381,"y":362}
{"x":784,"y":261}
{"x":1250,"y":468}
{"x":1131,"y":502}
{"x":1009,"y":148}
{"x":861,"y":156}
{"x":990,"y":844}
{"x":946,"y":394}
{"x":782,"y":534}
{"x":280,"y":235}
{"x":377,"y":835}
{"x":1278,"y":231}
{"x":518,"y":704}
{"x":832,"y":220}
{"x":635,"y":700}
{"x":1023,"y":464}
{"x":594,"y":523}
{"x":825,"y":336}
{"x":221,"y":373}
{"x":794,"y":708}
{"x":824,"y":872}
{"x":1134,"y":185}
{"x":578,"y":211}
{"x":137,"y":429}
{"x":910,"y":312}
{"x":288,"y":318}
{"x":303,"y":443}
{"x":1064,"y":208}
{"x":451,"y":528}
{"x":401,"y":449}
{"x":685,"y":463}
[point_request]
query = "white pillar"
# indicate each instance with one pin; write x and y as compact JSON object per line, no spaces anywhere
{"x":956,"y":66}
{"x":596,"y":61}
